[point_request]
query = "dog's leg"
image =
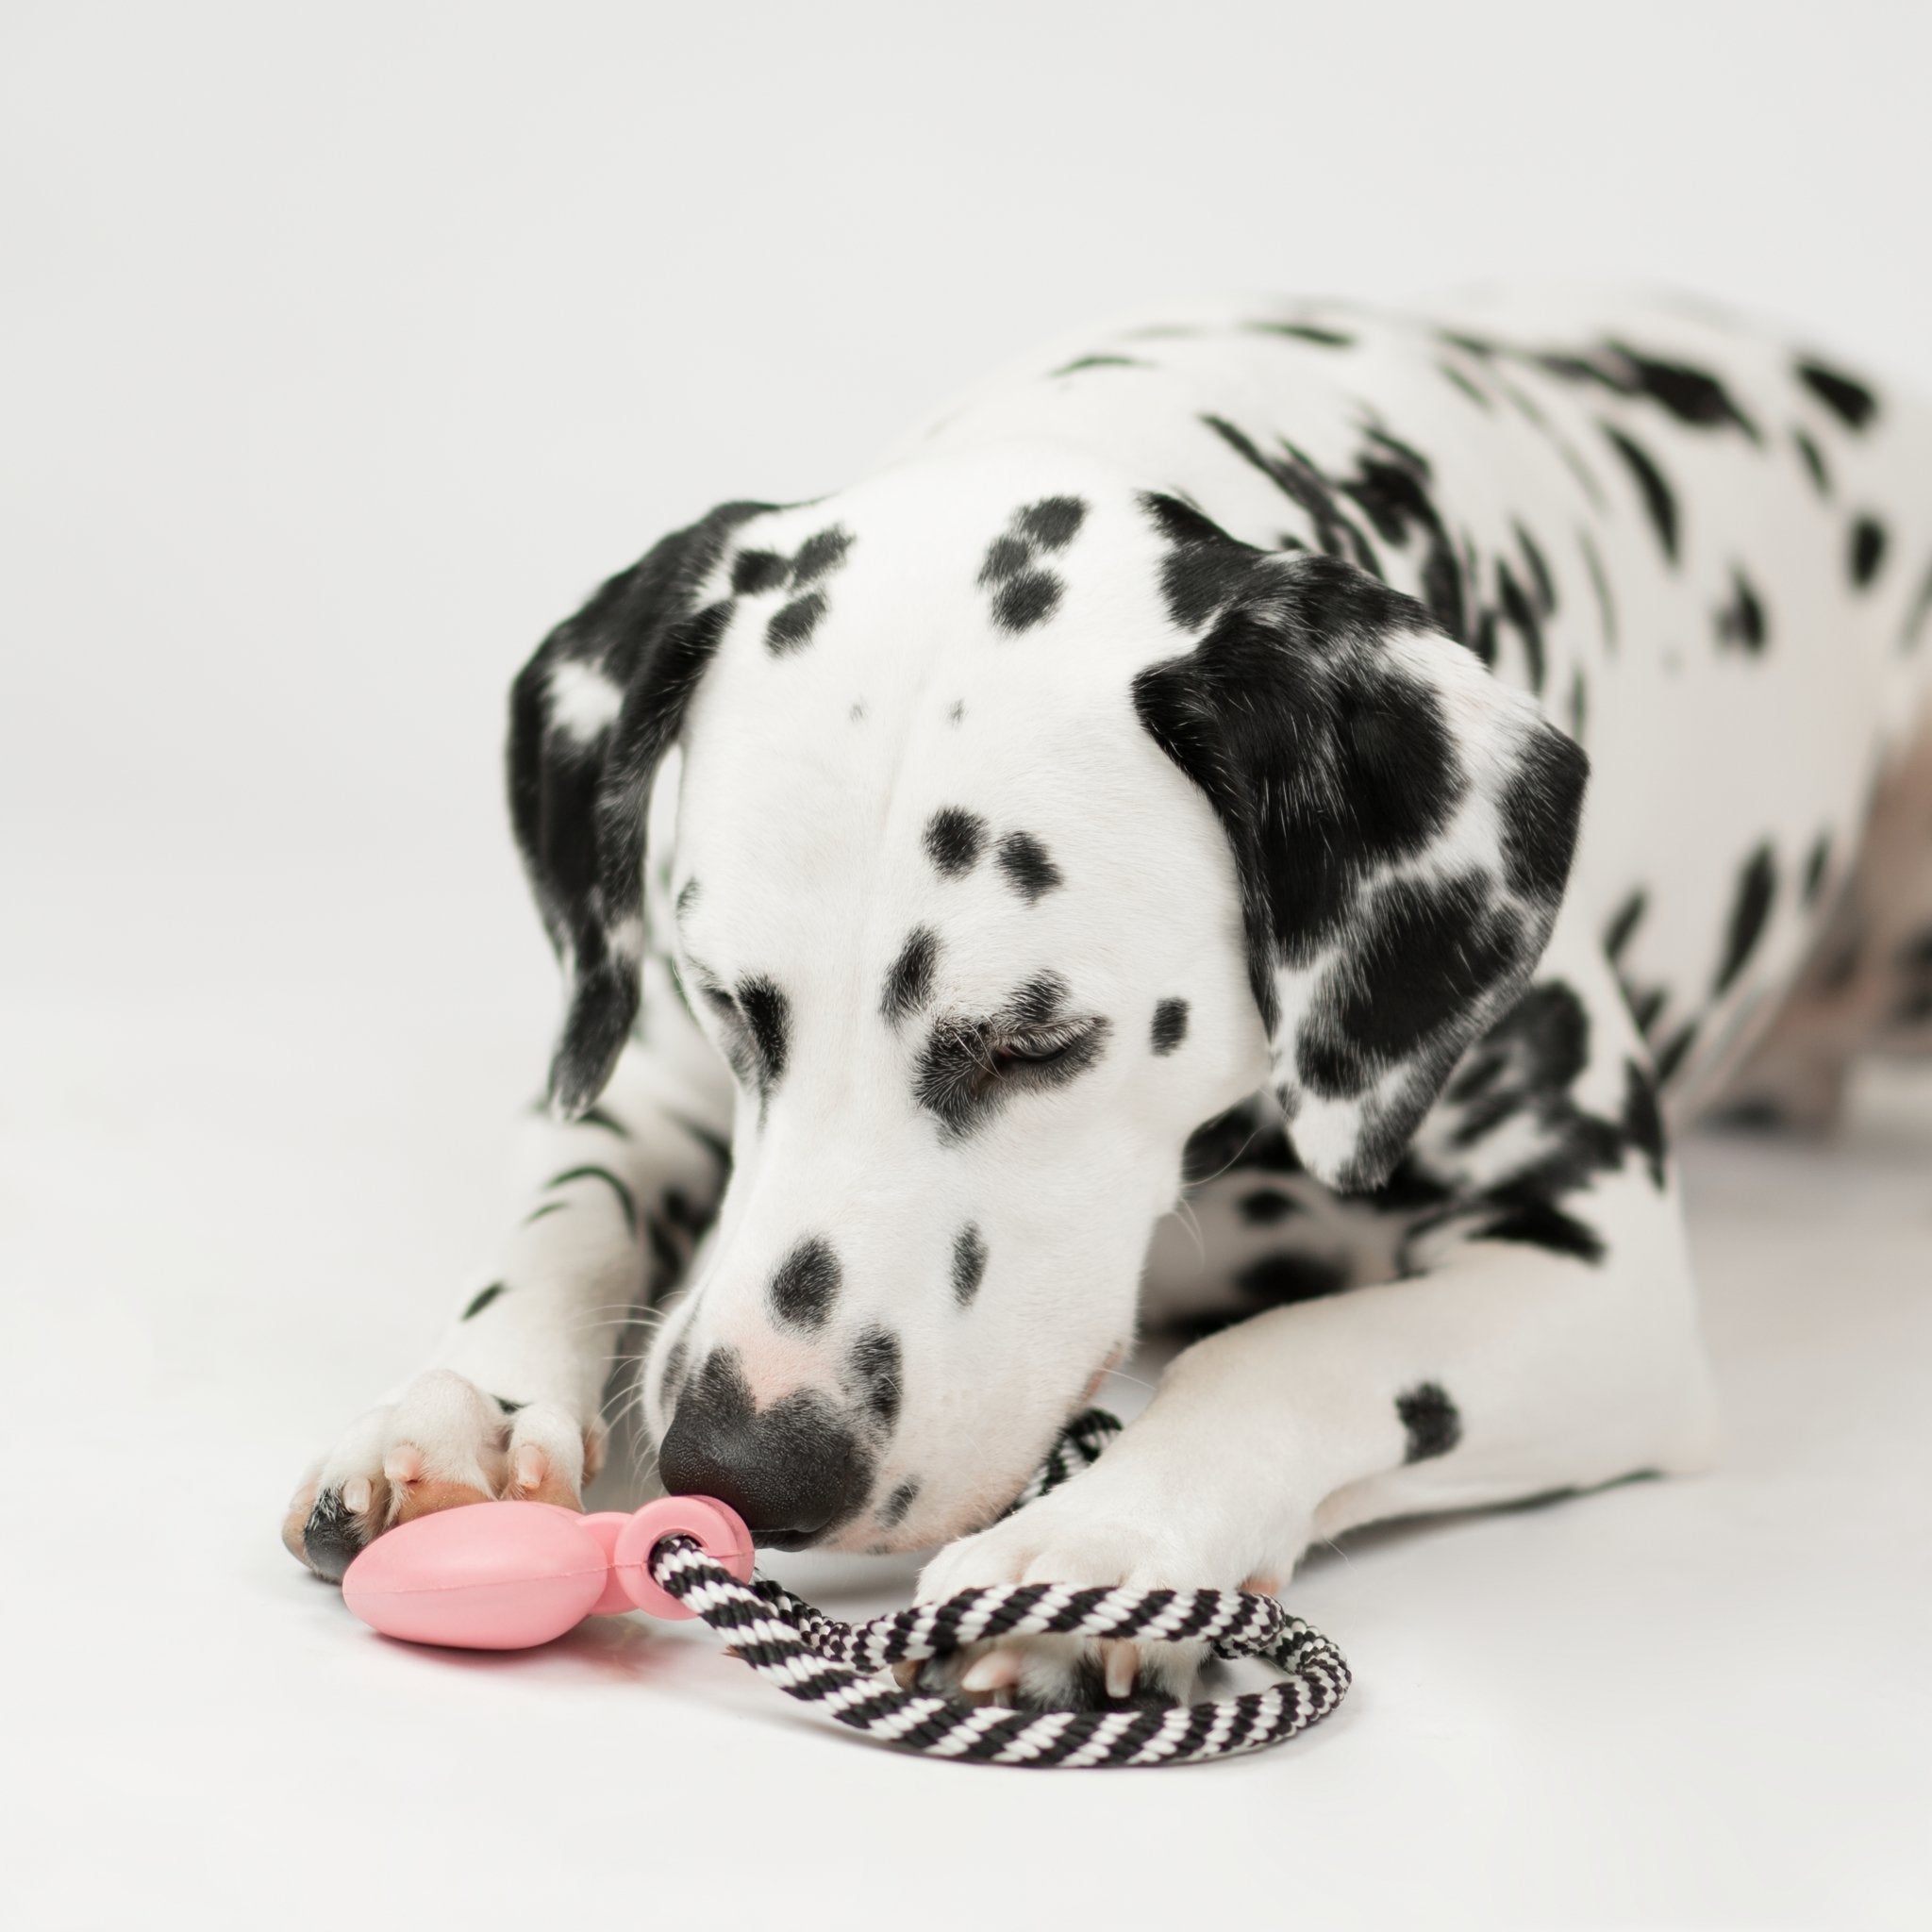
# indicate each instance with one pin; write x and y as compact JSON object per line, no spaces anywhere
{"x":1867,"y":987}
{"x":1542,"y":1337}
{"x":511,"y":1400}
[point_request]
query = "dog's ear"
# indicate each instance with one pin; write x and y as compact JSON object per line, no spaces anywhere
{"x":1402,"y":827}
{"x":591,"y":715}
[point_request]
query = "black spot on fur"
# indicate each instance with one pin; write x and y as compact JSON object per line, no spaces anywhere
{"x":876,"y":1364}
{"x":483,"y":1300}
{"x":625,"y":1200}
{"x":1515,"y":610}
{"x":807,"y":1283}
{"x":1741,"y":620}
{"x":1054,"y":521}
{"x":1526,"y":1064}
{"x":1429,"y":1420}
{"x":1544,"y":1224}
{"x":665,"y":1253}
{"x":1265,"y":1207}
{"x":1866,"y":553}
{"x":1624,"y":922}
{"x":1170,"y":1025}
{"x":1658,"y":503}
{"x":1670,"y":1056}
{"x":909,"y":979}
{"x":1304,"y":332}
{"x":686,"y":898}
{"x":1276,"y":1280}
{"x":1392,"y":486}
{"x":892,"y":1512}
{"x":1643,"y":1121}
{"x":1246,"y":1135}
{"x":1523,"y":1075}
{"x":508,"y":1407}
{"x":1848,"y":399}
{"x":1006,"y":557}
{"x":1600,"y":584}
{"x":1452,"y":375}
{"x":1694,"y":396}
{"x":1024,"y":595}
{"x":791,"y":625}
{"x":1540,"y":580}
{"x":1080,"y":362}
{"x":1750,"y":910}
{"x":954,"y":840}
{"x":1298,"y":479}
{"x":1817,"y":862}
{"x":819,"y":556}
{"x":1645,"y":1006}
{"x":1028,"y":870}
{"x":1813,"y":459}
{"x":969,"y":1263}
{"x":755,"y":571}
{"x":767,"y":1016}
{"x":1026,"y":600}
{"x":682,"y":1212}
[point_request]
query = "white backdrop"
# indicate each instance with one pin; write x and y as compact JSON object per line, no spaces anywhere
{"x":342,"y":349}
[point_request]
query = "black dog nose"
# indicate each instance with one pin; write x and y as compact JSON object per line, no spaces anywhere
{"x":792,"y":1471}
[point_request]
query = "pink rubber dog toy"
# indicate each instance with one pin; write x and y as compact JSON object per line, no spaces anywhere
{"x":508,"y":1575}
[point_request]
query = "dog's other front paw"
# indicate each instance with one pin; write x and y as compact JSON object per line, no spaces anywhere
{"x":1058,"y":1540}
{"x":442,"y":1444}
{"x":1066,"y":1673}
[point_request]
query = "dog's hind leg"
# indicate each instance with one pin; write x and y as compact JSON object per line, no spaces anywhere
{"x":1541,"y":1337}
{"x":1867,"y":985}
{"x":512,"y":1398}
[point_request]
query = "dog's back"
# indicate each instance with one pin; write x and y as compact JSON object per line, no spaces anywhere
{"x":1706,"y":549}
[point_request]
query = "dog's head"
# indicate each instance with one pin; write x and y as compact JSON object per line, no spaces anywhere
{"x":999,"y":837}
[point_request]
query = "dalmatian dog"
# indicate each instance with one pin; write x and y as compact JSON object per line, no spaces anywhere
{"x":1251,"y":825}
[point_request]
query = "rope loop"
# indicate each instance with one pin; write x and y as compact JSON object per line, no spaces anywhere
{"x":833,"y":1665}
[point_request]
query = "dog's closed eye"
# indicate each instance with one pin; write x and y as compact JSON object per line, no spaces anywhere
{"x":1035,"y":1049}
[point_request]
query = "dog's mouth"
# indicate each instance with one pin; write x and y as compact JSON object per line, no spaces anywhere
{"x":789,"y":1538}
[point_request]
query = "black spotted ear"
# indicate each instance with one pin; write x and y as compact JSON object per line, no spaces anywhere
{"x":590,"y":716}
{"x":1402,"y":826}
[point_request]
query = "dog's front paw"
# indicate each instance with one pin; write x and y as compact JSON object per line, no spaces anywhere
{"x":442,"y":1445}
{"x":1072,"y":1538}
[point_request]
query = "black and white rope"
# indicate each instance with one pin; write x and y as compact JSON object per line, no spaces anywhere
{"x":813,"y":1658}
{"x":1080,"y":1444}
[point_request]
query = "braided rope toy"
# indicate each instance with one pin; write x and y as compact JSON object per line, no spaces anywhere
{"x":508,"y":1575}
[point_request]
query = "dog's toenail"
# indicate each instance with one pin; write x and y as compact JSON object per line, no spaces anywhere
{"x":356,"y":1496}
{"x":531,"y":1467}
{"x":999,"y":1671}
